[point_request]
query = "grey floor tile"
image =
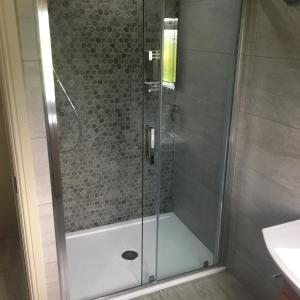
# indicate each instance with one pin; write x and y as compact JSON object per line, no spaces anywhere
{"x":222,"y":286}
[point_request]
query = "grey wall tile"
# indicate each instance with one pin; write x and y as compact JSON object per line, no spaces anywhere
{"x":209,"y":25}
{"x":201,"y":116}
{"x":264,"y":201}
{"x":197,"y":207}
{"x":270,"y":89}
{"x":273,"y":150}
{"x":261,"y":286}
{"x":195,"y":190}
{"x":205,"y":75}
{"x":264,"y":194}
{"x":248,"y":239}
{"x":267,"y":164}
{"x":273,"y":29}
{"x":192,"y":148}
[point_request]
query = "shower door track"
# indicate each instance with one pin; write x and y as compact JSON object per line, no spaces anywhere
{"x":153,"y":287}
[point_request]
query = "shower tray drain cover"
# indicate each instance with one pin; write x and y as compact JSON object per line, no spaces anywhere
{"x":130,"y":255}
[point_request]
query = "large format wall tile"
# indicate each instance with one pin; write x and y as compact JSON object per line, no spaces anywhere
{"x":200,"y":157}
{"x":266,"y":179}
{"x":248,"y":234}
{"x":273,"y":150}
{"x":196,"y":206}
{"x":272,"y":29}
{"x":246,"y":271}
{"x":205,"y":117}
{"x":209,"y":25}
{"x":205,"y":75}
{"x":270,"y":89}
{"x":261,"y":198}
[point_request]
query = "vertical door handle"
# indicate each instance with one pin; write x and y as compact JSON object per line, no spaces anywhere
{"x":150,"y":144}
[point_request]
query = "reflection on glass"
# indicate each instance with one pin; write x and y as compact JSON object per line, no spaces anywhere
{"x":170,"y":52}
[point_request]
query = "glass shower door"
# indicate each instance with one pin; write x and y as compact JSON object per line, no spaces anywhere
{"x":143,"y":101}
{"x":97,"y":53}
{"x":199,"y":46}
{"x":152,"y":92}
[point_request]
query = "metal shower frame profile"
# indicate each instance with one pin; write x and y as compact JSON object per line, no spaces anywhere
{"x":55,"y":171}
{"x":52,"y":142}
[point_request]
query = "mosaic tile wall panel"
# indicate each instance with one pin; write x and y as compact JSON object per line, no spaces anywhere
{"x":97,"y":50}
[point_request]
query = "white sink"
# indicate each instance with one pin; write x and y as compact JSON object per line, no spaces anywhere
{"x":283,"y":243}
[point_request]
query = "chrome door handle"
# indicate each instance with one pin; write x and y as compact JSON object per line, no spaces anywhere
{"x":150,"y":144}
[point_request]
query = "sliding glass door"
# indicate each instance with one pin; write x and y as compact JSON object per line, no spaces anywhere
{"x":199,"y":48}
{"x":143,"y":98}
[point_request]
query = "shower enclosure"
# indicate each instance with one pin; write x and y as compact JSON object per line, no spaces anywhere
{"x":138,"y":98}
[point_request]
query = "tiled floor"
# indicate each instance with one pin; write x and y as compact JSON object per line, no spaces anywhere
{"x":12,"y":277}
{"x":222,"y":286}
